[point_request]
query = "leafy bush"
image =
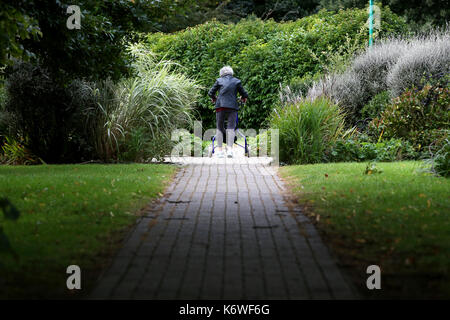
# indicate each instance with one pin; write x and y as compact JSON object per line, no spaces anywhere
{"x":376,"y":106}
{"x":46,"y":118}
{"x":307,"y":129}
{"x":349,"y":150}
{"x":419,"y":116}
{"x":427,"y":58}
{"x":263,"y":54}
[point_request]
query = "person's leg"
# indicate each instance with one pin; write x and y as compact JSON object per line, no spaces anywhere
{"x":231,"y":126}
{"x":220,"y":118}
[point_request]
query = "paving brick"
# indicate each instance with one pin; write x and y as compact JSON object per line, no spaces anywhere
{"x":223,"y":231}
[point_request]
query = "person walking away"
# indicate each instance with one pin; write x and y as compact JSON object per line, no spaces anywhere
{"x":226,"y":107}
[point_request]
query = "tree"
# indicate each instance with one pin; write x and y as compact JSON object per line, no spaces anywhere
{"x":15,"y":26}
{"x":417,"y":12}
{"x":96,"y":51}
{"x":279,"y":10}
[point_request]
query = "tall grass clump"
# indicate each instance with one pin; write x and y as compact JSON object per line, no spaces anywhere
{"x":307,"y":129}
{"x":140,"y":112}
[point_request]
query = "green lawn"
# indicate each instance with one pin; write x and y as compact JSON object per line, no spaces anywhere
{"x":70,"y":214}
{"x":398,"y":219}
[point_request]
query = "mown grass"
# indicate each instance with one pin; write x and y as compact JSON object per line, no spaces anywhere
{"x":397,"y":219}
{"x":70,"y":214}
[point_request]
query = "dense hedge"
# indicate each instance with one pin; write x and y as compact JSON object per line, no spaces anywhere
{"x":263,"y":53}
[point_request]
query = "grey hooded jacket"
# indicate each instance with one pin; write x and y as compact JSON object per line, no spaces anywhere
{"x":228,"y":87}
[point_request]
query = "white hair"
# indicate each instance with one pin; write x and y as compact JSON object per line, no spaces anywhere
{"x":225,"y":71}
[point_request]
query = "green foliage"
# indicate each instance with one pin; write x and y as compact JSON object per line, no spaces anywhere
{"x":372,"y":168}
{"x":297,"y":87}
{"x":421,"y":13}
{"x":418,"y":13}
{"x":97,"y":50}
{"x":349,"y":150}
{"x":140,"y":111}
{"x":441,"y":161}
{"x":87,"y":120}
{"x":419,"y":116}
{"x":15,"y":27}
{"x":139,"y":145}
{"x":46,"y":119}
{"x":307,"y":129}
{"x":376,"y":105}
{"x":262,"y":53}
{"x":279,"y":10}
{"x":15,"y":153}
{"x":5,"y":120}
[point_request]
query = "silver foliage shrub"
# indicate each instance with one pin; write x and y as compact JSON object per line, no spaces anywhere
{"x":373,"y":66}
{"x":427,"y":58}
{"x":392,"y":65}
{"x":344,"y":89}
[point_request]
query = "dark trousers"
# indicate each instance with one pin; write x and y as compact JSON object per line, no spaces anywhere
{"x":230,"y":115}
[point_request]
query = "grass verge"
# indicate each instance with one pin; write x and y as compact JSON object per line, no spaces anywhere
{"x":70,"y":214}
{"x":397,"y":219}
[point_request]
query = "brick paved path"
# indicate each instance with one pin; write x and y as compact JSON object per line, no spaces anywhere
{"x":223,"y":232}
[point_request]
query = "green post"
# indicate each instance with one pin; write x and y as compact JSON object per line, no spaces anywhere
{"x":371,"y":23}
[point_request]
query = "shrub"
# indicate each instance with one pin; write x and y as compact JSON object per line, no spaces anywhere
{"x":419,"y":116}
{"x":349,"y":150}
{"x":376,"y":106}
{"x":344,"y":89}
{"x":44,"y":114}
{"x":391,"y":65}
{"x":373,"y":66}
{"x":307,"y":129}
{"x":263,"y":53}
{"x":426,"y":59}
